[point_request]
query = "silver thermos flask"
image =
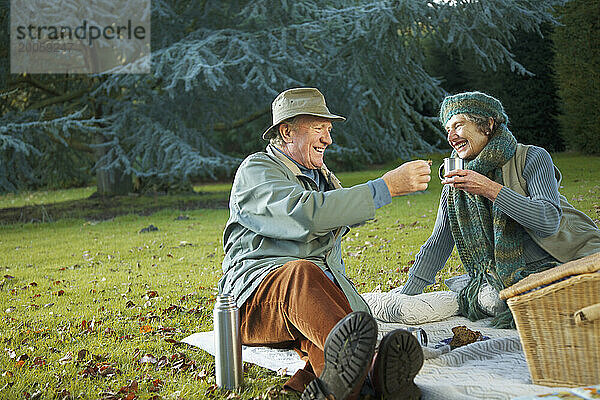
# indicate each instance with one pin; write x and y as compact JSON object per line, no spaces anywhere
{"x":228,"y":344}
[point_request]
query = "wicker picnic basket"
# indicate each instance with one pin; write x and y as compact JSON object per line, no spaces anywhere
{"x":557,"y":313}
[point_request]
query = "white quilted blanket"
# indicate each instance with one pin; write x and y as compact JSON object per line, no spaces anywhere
{"x":490,"y":369}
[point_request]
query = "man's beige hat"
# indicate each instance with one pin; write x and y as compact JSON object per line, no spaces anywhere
{"x":298,"y":101}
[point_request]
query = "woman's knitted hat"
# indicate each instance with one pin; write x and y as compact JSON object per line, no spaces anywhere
{"x":471,"y":103}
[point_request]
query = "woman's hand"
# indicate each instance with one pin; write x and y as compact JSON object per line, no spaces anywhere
{"x":473,"y":182}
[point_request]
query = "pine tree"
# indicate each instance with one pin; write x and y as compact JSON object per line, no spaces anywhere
{"x":217,"y":65}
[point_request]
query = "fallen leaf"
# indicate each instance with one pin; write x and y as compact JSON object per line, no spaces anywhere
{"x":202,"y":374}
{"x":81,"y":354}
{"x":109,"y":396}
{"x":107,"y":370}
{"x":145,"y":329}
{"x":150,"y":228}
{"x":132,"y":388}
{"x":109,"y":331}
{"x":155,"y":385}
{"x":38,"y":362}
{"x":163,"y":361}
{"x":67,"y":358}
{"x":212,"y":388}
{"x":99,"y":357}
{"x":148,"y":358}
{"x":173,"y":308}
{"x":197,"y":310}
{"x":90,"y":370}
{"x":63,"y":395}
{"x":11,"y":353}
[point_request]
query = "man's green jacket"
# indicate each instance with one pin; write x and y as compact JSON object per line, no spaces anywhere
{"x":277,"y":215}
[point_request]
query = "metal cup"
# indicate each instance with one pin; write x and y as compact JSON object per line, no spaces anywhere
{"x":450,"y":164}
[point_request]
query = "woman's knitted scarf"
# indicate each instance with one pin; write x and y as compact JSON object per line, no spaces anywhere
{"x":489,"y":243}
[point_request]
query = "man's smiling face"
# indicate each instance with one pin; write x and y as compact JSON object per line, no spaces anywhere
{"x":465,"y":137}
{"x":307,"y":140}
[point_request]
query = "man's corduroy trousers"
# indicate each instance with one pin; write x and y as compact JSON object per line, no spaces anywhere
{"x":294,"y":307}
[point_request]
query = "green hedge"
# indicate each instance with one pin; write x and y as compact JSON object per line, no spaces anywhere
{"x":577,"y":66}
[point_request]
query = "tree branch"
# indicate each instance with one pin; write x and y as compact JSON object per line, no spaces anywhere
{"x":35,"y":83}
{"x":240,"y":122}
{"x":75,"y":144}
{"x":60,"y":99}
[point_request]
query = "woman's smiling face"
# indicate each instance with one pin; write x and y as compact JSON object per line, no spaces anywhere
{"x":465,"y":137}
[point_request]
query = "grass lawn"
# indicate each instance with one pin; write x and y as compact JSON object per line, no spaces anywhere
{"x":92,"y":308}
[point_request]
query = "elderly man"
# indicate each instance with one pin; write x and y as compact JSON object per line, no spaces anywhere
{"x":283,"y":260}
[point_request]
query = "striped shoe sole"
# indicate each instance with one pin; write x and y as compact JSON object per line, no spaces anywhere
{"x":349,"y":350}
{"x":399,"y":360}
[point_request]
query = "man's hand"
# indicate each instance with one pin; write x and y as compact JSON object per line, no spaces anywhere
{"x":410,"y":177}
{"x":473,"y":182}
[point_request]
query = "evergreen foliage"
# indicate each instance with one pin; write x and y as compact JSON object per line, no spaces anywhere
{"x":217,"y":65}
{"x":577,"y":66}
{"x":530,"y":98}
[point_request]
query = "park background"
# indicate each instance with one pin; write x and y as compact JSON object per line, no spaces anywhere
{"x":93,"y":303}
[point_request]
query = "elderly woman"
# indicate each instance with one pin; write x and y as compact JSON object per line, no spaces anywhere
{"x":503,"y":211}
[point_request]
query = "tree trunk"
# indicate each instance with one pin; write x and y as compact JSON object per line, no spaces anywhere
{"x":110,"y":182}
{"x":113,"y":183}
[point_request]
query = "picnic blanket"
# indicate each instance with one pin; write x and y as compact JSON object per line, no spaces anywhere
{"x":494,"y":368}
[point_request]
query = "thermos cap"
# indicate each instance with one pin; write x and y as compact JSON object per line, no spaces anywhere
{"x":225,"y":302}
